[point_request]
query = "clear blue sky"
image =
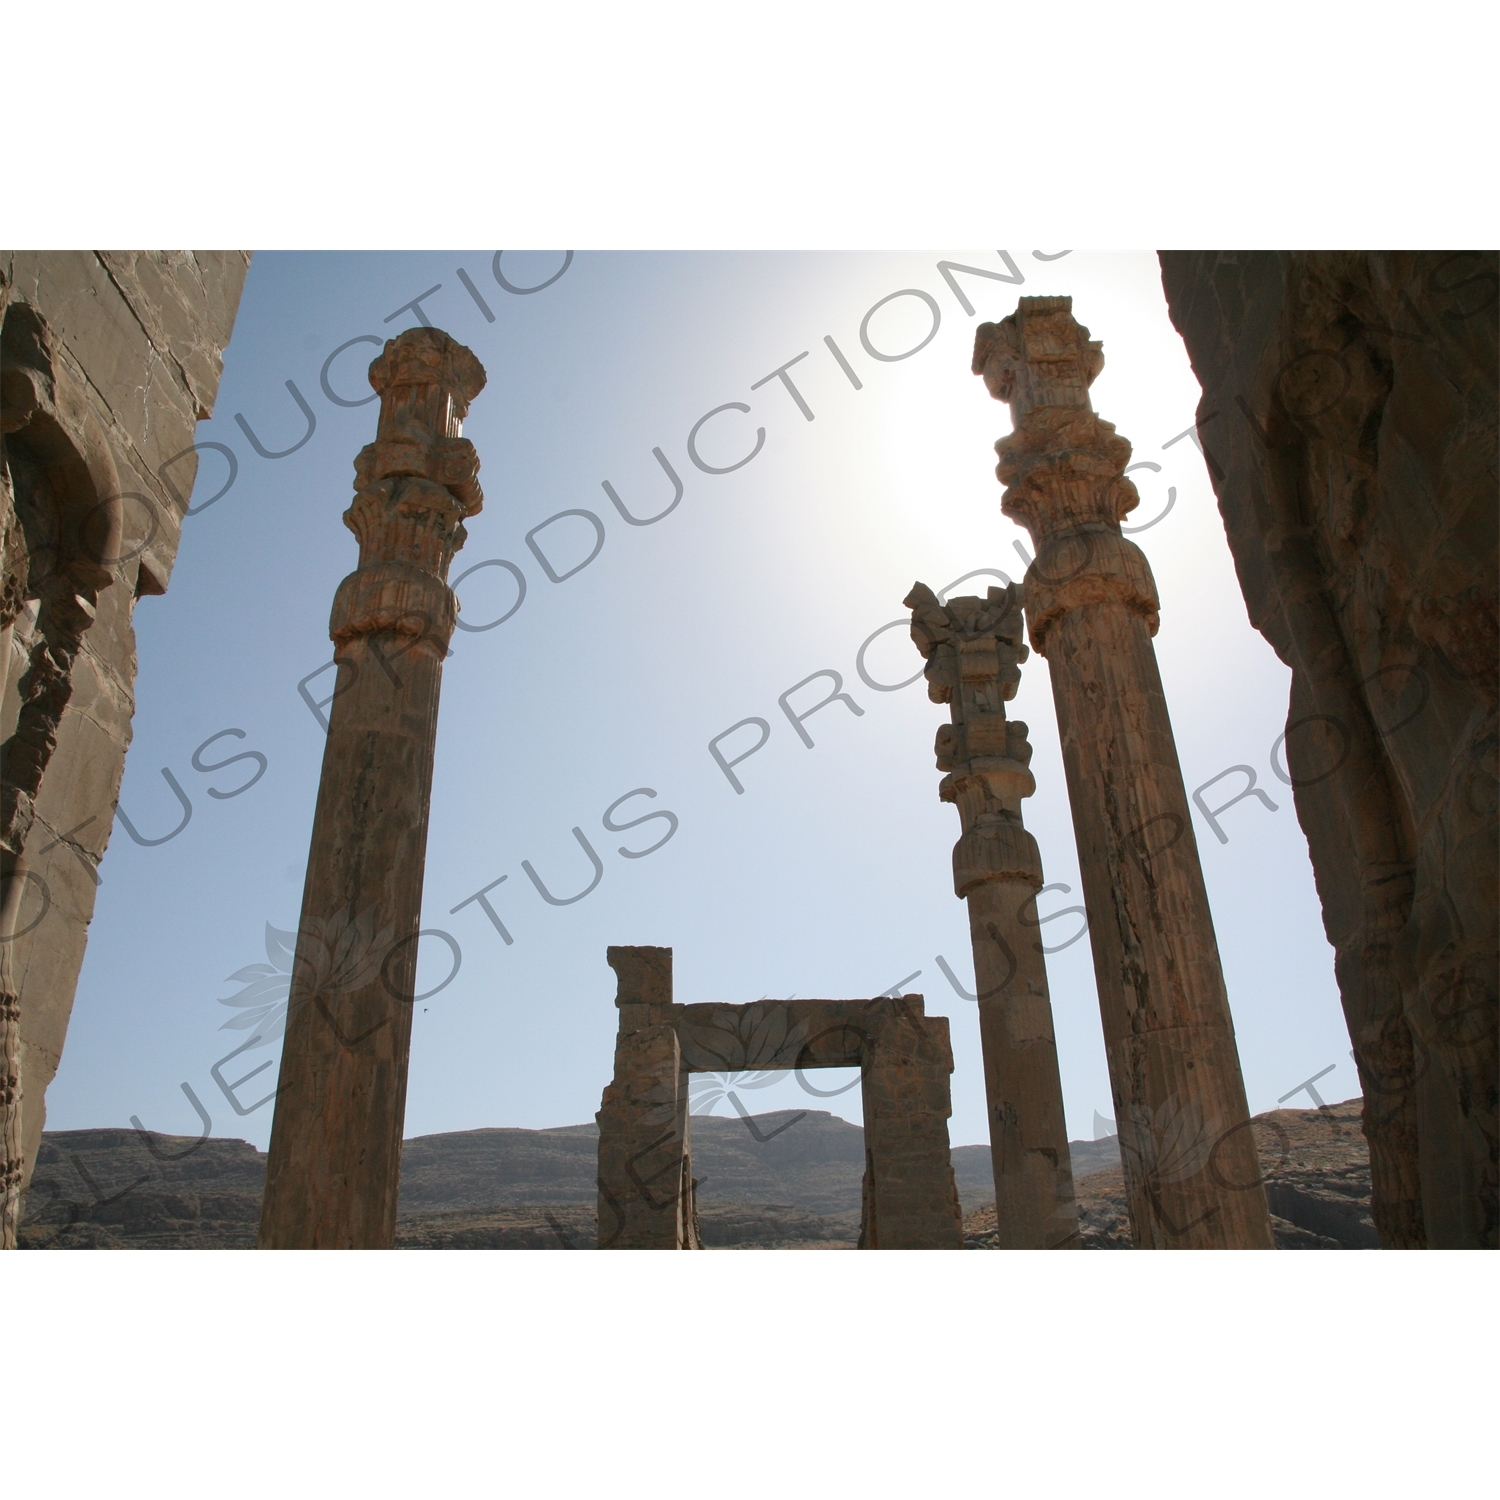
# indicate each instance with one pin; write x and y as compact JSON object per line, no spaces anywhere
{"x":830,"y":875}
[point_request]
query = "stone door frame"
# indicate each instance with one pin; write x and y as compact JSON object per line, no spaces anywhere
{"x":647,"y":1198}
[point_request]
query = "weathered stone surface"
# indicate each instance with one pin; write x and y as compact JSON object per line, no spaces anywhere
{"x":108,"y":361}
{"x":645,"y":1177}
{"x":1349,"y":424}
{"x":1091,"y":609}
{"x":335,"y":1157}
{"x":647,"y":1188}
{"x":974,"y":649}
{"x":910,"y":1196}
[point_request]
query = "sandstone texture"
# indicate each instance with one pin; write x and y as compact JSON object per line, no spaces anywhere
{"x":974,"y":649}
{"x":1092,"y":609}
{"x":107,"y":362}
{"x":1348,"y":421}
{"x":335,"y":1156}
{"x":647,"y":1184}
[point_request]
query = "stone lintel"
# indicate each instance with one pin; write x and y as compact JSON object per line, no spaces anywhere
{"x":784,"y":1034}
{"x":646,"y":1187}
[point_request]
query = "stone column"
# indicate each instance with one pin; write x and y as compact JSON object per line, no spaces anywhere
{"x":973,"y":649}
{"x":645,"y":1161}
{"x":335,"y":1158}
{"x":909,"y":1198}
{"x":1091,"y":608}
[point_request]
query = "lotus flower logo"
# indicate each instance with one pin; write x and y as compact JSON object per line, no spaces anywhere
{"x":740,"y":1049}
{"x":262,"y":1002}
{"x":707,"y":1090}
{"x":337,"y":955}
{"x":1168,"y":1144}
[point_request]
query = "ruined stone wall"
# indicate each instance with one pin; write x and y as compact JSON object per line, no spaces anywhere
{"x":1349,"y":424}
{"x":110,"y":360}
{"x":647,"y":1189}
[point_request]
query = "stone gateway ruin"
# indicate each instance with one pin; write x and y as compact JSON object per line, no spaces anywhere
{"x":646,"y":1185}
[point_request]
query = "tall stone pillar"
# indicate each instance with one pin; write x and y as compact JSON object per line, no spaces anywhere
{"x":973,"y":649}
{"x":1191,"y":1168}
{"x":646,"y":1199}
{"x":909,"y":1197}
{"x":335,"y":1158}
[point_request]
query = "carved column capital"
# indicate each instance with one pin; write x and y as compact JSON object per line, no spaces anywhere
{"x":1096,"y":566}
{"x":414,"y":487}
{"x":1063,"y":467}
{"x":974,"y":651}
{"x":1039,"y":356}
{"x":1088,"y":595}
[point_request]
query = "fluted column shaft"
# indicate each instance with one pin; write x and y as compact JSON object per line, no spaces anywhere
{"x":335,"y":1157}
{"x":1033,"y":1168}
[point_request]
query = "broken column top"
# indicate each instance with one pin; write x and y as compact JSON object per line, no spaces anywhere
{"x":414,"y":486}
{"x":968,"y":639}
{"x":428,"y":357}
{"x":425,"y":381}
{"x":1038,"y":356}
{"x":1063,"y":467}
{"x":644,"y":974}
{"x":974,"y":649}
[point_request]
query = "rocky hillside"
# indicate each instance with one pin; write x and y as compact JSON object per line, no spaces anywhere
{"x":119,"y":1189}
{"x":1317,"y":1173}
{"x":806,"y":1158}
{"x":789,"y":1177}
{"x":781,"y":1180}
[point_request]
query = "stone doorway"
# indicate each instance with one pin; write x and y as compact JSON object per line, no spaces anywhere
{"x":647,"y":1197}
